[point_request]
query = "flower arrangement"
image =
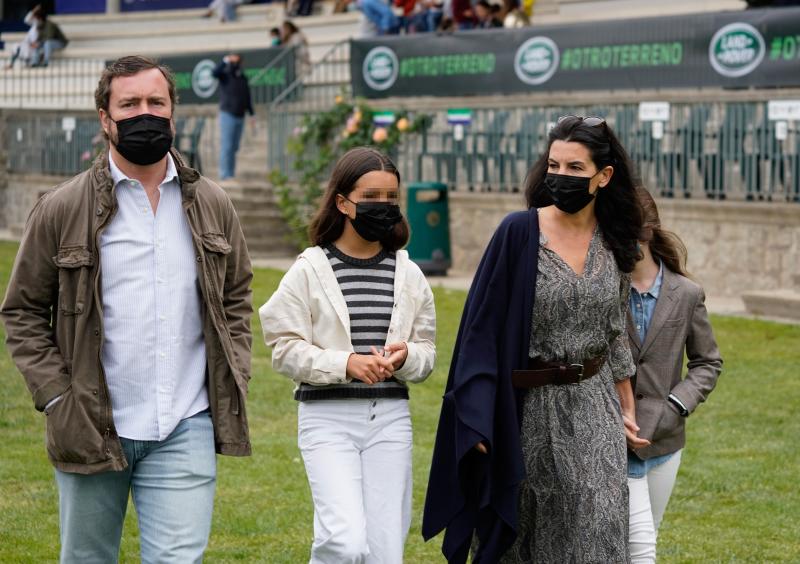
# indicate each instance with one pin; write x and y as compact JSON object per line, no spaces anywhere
{"x":320,"y":140}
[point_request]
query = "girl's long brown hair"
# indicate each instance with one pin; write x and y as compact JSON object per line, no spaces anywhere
{"x":664,"y":245}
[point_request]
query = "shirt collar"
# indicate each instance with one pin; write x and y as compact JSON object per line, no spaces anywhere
{"x":118,"y":176}
{"x":655,"y":289}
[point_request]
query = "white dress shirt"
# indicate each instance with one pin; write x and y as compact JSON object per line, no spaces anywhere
{"x":153,"y":353}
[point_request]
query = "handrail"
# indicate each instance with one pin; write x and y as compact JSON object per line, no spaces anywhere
{"x":284,"y":53}
{"x":308,"y":72}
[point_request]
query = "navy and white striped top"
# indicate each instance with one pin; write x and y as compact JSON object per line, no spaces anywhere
{"x":368,"y":288}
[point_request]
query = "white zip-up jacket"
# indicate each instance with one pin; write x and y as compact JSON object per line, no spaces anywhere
{"x":306,"y":322}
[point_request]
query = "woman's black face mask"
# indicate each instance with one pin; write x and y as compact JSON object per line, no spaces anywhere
{"x":143,"y":139}
{"x":570,"y":193}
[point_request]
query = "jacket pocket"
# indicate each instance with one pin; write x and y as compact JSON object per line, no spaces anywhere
{"x":72,"y":436}
{"x":216,"y":249}
{"x":670,"y":422}
{"x":74,"y":271}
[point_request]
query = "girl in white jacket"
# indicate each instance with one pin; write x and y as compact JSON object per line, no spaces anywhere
{"x":352,"y":323}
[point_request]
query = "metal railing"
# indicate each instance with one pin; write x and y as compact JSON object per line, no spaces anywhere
{"x":65,"y":145}
{"x":718,"y":150}
{"x":41,"y":145}
{"x":271,"y":80}
{"x":63,"y":84}
{"x":314,"y":90}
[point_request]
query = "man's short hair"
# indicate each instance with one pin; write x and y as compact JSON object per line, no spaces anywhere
{"x":128,"y":66}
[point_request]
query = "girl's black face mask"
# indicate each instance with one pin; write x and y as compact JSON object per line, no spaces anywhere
{"x":375,"y":221}
{"x":143,"y":139}
{"x":570,"y":194}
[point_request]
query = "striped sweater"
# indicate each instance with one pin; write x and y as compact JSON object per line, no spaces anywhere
{"x":368,"y":288}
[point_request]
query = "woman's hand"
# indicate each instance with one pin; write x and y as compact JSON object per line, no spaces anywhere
{"x":631,"y":430}
{"x":481,"y":448}
{"x":369,"y":368}
{"x":398,"y":352}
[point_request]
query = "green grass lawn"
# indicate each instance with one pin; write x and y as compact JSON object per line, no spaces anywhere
{"x":736,"y":500}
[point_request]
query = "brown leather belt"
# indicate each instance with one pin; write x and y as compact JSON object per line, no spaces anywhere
{"x":540,"y":373}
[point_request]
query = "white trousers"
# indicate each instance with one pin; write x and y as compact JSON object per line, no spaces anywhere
{"x":357,"y":455}
{"x":649,"y":496}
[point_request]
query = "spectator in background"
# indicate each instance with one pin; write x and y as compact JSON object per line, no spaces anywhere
{"x":291,"y":36}
{"x":513,"y":16}
{"x":50,"y":39}
{"x":463,"y":16}
{"x":274,"y":37}
{"x":234,"y":102}
{"x":225,"y":10}
{"x":296,"y":8}
{"x":379,"y":19}
{"x":27,"y":47}
{"x":485,"y":16}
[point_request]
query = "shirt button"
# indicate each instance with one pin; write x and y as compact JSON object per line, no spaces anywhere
{"x":163,"y":355}
{"x":372,"y":417}
{"x":162,"y":318}
{"x":639,"y":396}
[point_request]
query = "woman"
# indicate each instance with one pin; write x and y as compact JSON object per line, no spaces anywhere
{"x":352,"y":323}
{"x":291,"y":36}
{"x":530,"y":451}
{"x":667,"y":317}
{"x":26,"y":49}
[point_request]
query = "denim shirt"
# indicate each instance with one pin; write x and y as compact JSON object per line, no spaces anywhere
{"x":643,"y":305}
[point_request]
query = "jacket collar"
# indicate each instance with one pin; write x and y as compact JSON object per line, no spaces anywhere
{"x":103,"y":180}
{"x":319,"y":262}
{"x":666,"y":303}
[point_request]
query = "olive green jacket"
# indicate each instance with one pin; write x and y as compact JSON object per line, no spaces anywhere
{"x":54,"y":319}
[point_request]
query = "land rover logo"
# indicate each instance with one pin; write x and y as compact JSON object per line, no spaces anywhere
{"x":736,"y":50}
{"x":203,"y":82}
{"x":536,"y":60}
{"x":380,"y":68}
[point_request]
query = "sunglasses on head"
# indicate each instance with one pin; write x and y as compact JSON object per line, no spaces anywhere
{"x":590,"y":121}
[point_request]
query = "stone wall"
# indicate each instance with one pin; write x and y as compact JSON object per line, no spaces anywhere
{"x":734,"y":247}
{"x":19,"y":196}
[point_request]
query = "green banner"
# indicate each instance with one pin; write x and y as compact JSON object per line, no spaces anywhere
{"x":196,"y":85}
{"x":752,"y":48}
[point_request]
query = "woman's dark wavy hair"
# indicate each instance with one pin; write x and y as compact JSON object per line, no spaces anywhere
{"x":328,"y":222}
{"x":664,"y":245}
{"x":616,"y":206}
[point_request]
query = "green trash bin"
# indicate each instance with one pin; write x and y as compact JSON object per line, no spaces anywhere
{"x":429,"y":218}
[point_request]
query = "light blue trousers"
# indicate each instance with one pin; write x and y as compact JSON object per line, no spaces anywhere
{"x":230,"y":134}
{"x":172,"y":483}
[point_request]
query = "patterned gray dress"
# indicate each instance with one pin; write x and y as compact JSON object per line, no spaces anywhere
{"x":574,"y":501}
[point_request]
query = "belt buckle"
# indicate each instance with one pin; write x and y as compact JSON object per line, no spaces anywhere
{"x":580,"y":369}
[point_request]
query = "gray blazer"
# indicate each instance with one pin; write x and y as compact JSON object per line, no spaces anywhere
{"x":679,"y":322}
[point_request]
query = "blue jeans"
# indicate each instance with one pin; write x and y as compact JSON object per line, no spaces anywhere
{"x":49,"y":46}
{"x":172,"y":483}
{"x":230,"y":134}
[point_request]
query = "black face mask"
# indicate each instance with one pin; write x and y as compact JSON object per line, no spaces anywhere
{"x":570,"y":194}
{"x":144,"y":139}
{"x":375,"y":220}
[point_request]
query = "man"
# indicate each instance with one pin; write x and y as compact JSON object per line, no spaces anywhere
{"x":50,"y":39}
{"x":128,"y":314}
{"x":234,"y":102}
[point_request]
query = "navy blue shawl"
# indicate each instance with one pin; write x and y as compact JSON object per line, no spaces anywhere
{"x":469,"y":491}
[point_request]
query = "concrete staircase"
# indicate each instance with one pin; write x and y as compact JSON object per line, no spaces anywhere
{"x":252,"y":195}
